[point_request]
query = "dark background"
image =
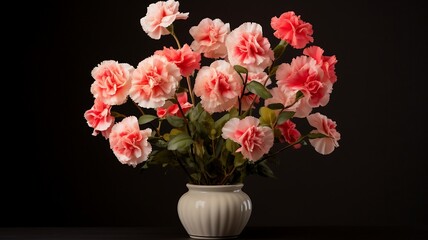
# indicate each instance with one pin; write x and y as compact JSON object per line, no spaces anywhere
{"x":63,"y":176}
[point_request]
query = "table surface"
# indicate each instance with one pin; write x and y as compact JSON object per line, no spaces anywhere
{"x":151,"y":233}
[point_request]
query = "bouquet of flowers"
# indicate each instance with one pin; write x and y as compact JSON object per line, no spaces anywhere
{"x":219,"y":122}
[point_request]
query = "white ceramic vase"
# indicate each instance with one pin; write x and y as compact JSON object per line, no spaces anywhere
{"x":214,"y":211}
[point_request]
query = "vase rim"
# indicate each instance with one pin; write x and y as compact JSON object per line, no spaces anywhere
{"x":214,"y":185}
{"x":236,"y":186}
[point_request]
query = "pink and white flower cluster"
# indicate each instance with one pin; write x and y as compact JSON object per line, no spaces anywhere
{"x":243,"y":75}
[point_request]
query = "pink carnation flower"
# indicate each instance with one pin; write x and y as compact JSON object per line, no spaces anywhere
{"x":159,"y":16}
{"x":170,"y":109}
{"x":209,"y":38}
{"x":185,"y":59}
{"x":327,"y":63}
{"x":129,"y":143}
{"x":327,"y":127}
{"x":255,"y":140}
{"x":218,"y":86}
{"x":154,"y":81}
{"x":247,"y":47}
{"x":112,"y":82}
{"x":306,"y":75}
{"x":290,"y":28}
{"x":289,"y":133}
{"x":99,"y":118}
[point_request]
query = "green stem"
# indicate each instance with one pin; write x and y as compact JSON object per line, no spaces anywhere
{"x":213,"y":145}
{"x":227,"y":176}
{"x":277,"y":118}
{"x":192,"y":153}
{"x":176,"y":40}
{"x":159,"y":126}
{"x":243,"y":92}
{"x":282,"y":149}
{"x":186,"y":121}
{"x":170,"y":28}
{"x":139,"y":108}
{"x":189,"y":86}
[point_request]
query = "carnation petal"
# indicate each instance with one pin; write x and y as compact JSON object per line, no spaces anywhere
{"x":228,"y":130}
{"x":323,"y":145}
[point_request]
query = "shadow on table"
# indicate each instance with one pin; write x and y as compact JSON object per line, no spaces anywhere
{"x":265,"y":233}
{"x":336,"y":232}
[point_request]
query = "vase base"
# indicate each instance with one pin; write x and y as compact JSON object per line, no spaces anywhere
{"x":213,"y":237}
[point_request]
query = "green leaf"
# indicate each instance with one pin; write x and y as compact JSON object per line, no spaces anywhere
{"x":195,"y":112}
{"x":316,"y":135}
{"x":206,"y":120}
{"x":219,"y":148}
{"x":264,"y":170}
{"x":146,"y":119}
{"x":239,"y":159}
{"x":258,"y":89}
{"x":299,"y":95}
{"x":175,"y":131}
{"x":240,"y":69}
{"x":199,"y":147}
{"x":117,"y":114}
{"x":173,"y":100}
{"x":188,"y":161}
{"x":284,"y":116}
{"x":196,"y":177}
{"x":242,"y":176}
{"x":175,"y":121}
{"x":158,"y":142}
{"x":224,"y":157}
{"x":163,"y":158}
{"x":277,"y":133}
{"x":180,"y":142}
{"x":233,"y":112}
{"x":182,"y":89}
{"x":218,"y":125}
{"x":203,"y":125}
{"x":276,"y":106}
{"x":231,"y":146}
{"x":145,"y":166}
{"x":279,"y":50}
{"x":267,"y":116}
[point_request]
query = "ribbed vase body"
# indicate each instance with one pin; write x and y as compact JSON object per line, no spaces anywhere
{"x":214,"y":211}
